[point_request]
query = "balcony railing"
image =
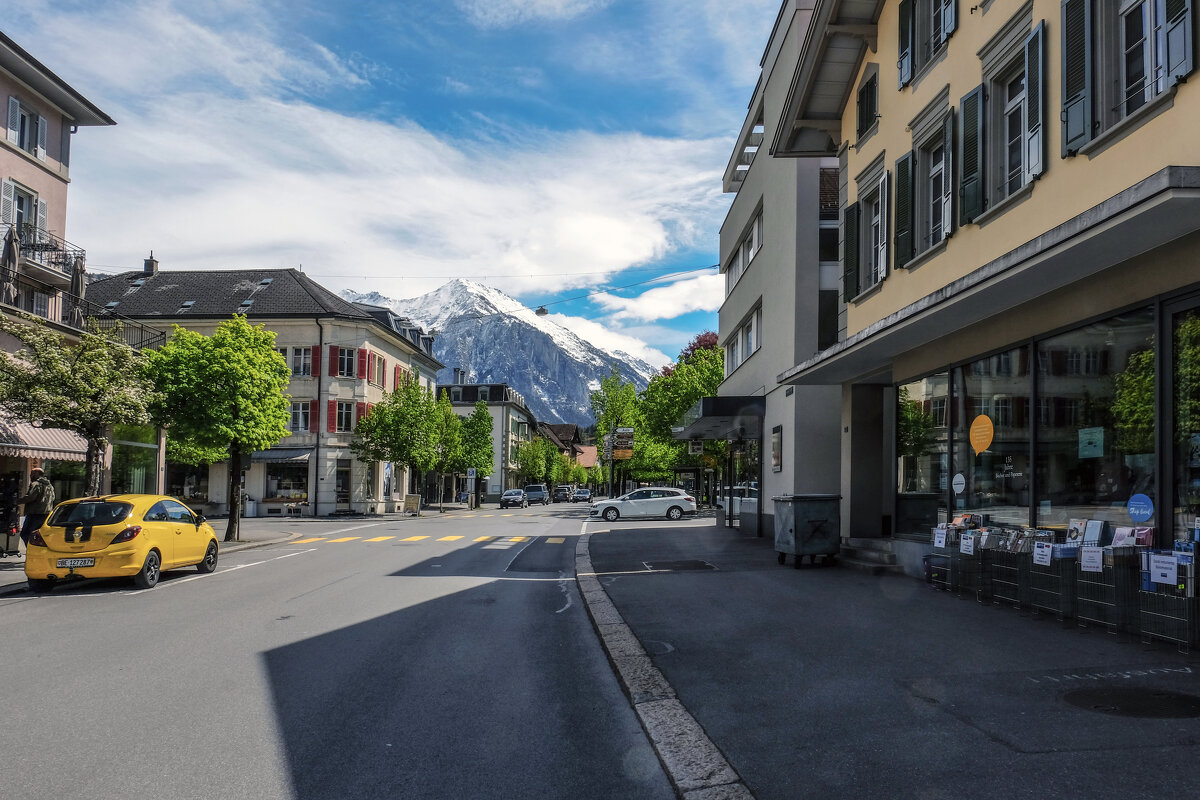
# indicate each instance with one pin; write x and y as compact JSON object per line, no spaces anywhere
{"x":78,"y":313}
{"x":47,"y":249}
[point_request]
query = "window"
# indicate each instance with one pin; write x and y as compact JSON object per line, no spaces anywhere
{"x":1118,"y":56}
{"x":41,"y":304}
{"x":345,"y":416}
{"x":345,"y":363}
{"x":925,"y":26}
{"x":484,"y":393}
{"x":744,"y":342}
{"x":27,"y":129}
{"x":868,"y":102}
{"x":938,"y":408}
{"x":283,"y":351}
{"x":865,"y":252}
{"x":743,"y":253}
{"x":300,"y":418}
{"x":302,"y":361}
{"x":456,"y":394}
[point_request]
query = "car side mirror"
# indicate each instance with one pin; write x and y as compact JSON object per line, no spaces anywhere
{"x":200,"y":520}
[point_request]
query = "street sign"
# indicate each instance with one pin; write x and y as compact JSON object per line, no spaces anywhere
{"x":470,"y":473}
{"x":622,"y":455}
{"x":696,"y":447}
{"x":624,"y":430}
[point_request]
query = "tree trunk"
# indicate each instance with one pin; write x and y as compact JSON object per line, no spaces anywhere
{"x":441,"y":490}
{"x":235,"y":493}
{"x":94,"y":468}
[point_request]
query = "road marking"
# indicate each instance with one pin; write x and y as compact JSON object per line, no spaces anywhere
{"x":345,"y":539}
{"x":379,"y":539}
{"x":414,"y":538}
{"x":555,"y":540}
{"x":449,"y":538}
{"x":485,"y":538}
{"x":485,"y":516}
{"x":222,"y":571}
{"x":518,"y":539}
{"x":306,"y":541}
{"x":506,"y":515}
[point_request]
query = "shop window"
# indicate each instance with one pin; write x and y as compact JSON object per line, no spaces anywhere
{"x":922,"y":452}
{"x":1096,"y":422}
{"x":1185,"y":400}
{"x":286,"y":482}
{"x":188,"y":483}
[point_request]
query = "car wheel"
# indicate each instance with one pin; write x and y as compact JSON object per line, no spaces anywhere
{"x":611,"y":514}
{"x":148,"y":577}
{"x":674,"y":513}
{"x":39,"y":584}
{"x":210,"y":559}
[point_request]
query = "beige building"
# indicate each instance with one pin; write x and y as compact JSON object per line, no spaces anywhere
{"x":1020,"y":258}
{"x":513,"y":424}
{"x":344,"y":358}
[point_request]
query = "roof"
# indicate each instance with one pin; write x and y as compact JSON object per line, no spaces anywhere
{"x":567,"y":433}
{"x":33,"y":73}
{"x":588,"y":455}
{"x":258,"y":293}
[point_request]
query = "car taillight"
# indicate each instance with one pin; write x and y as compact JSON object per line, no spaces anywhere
{"x":127,"y":534}
{"x":36,"y":540}
{"x":689,"y":498}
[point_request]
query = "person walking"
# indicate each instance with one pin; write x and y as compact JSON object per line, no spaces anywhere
{"x":37,"y":501}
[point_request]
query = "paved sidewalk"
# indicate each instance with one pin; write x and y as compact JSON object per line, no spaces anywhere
{"x":826,"y":682}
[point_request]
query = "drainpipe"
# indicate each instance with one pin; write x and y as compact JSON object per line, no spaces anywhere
{"x":320,"y":404}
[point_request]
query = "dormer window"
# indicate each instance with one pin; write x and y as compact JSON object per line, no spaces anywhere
{"x":111,"y":304}
{"x":249,"y":301}
{"x":265,"y":281}
{"x":138,"y":282}
{"x":187,"y":305}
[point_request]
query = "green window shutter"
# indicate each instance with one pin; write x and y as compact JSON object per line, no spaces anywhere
{"x":948,"y":175}
{"x":971,"y":143}
{"x":1035,"y":103}
{"x":904,"y":61}
{"x":1179,"y":37}
{"x":1077,"y":75}
{"x":904,"y":210}
{"x":850,"y":251}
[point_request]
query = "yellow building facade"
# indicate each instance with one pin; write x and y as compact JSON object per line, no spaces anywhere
{"x":1019,"y":191}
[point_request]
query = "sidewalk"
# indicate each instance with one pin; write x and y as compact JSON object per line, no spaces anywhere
{"x":827,"y":682}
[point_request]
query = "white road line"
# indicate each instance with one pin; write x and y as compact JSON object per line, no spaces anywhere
{"x":528,"y":544}
{"x":224,"y":571}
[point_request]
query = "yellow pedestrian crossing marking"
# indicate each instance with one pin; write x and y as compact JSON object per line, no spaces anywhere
{"x":345,"y":539}
{"x":380,"y":539}
{"x":555,"y":540}
{"x":518,"y":538}
{"x":414,"y":538}
{"x":306,"y":541}
{"x":485,"y":538}
{"x":506,"y":515}
{"x":449,"y":538}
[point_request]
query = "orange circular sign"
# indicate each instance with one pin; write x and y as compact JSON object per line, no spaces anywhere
{"x":981,"y":433}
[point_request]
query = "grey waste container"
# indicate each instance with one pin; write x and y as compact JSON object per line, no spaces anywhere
{"x":807,"y":525}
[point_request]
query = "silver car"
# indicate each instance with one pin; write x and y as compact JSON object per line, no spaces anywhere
{"x":654,"y":501}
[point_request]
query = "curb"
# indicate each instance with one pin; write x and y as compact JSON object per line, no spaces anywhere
{"x":696,"y":768}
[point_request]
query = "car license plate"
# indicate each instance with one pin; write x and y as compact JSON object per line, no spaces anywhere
{"x":76,"y":562}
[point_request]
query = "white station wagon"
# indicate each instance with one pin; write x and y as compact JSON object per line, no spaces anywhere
{"x":654,"y":501}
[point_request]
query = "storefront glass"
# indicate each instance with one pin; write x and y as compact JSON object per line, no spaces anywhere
{"x":922,"y":453}
{"x":1096,"y":421}
{"x":1185,"y":350}
{"x":990,"y":468}
{"x":188,"y":483}
{"x":286,"y":482}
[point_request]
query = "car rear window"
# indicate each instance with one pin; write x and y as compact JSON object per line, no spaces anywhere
{"x":534,"y":489}
{"x":94,"y":512}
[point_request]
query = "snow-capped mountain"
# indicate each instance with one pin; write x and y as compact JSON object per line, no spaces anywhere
{"x":496,"y":339}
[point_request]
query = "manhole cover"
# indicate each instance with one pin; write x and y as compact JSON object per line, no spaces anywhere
{"x":1129,"y":701}
{"x":677,"y":566}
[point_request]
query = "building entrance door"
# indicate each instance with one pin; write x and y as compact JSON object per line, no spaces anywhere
{"x":1183,"y":455}
{"x":341,"y":485}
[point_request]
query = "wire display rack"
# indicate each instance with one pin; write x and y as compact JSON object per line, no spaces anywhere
{"x":944,"y":572}
{"x":1052,"y":588}
{"x":972,"y":579}
{"x":1008,"y":577}
{"x":1110,"y":597}
{"x":1170,"y":618}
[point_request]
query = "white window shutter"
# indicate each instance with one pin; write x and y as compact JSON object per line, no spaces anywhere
{"x":41,"y":212}
{"x":885,"y":229}
{"x":7,"y":203}
{"x":949,"y":18}
{"x":43,"y":128}
{"x":14,"y":119}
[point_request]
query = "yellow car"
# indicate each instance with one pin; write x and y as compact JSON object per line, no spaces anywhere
{"x":120,"y":535}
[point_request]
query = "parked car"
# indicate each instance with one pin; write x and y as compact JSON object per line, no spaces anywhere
{"x":654,"y":501}
{"x":562,"y":494}
{"x":538,"y":493}
{"x":581,"y":494}
{"x":124,"y":535}
{"x":515,"y":498}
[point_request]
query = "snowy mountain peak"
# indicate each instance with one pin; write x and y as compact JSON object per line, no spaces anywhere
{"x":497,"y":339}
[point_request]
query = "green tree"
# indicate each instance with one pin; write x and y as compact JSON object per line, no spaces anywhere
{"x":447,"y":442}
{"x":579,"y":474}
{"x":478,"y":448}
{"x":398,"y":429}
{"x":84,"y":387}
{"x":223,"y":392}
{"x":533,"y":459}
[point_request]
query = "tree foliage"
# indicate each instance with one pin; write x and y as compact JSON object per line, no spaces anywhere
{"x":224,"y":393}
{"x":398,"y":429}
{"x":478,"y":447}
{"x":84,"y":387}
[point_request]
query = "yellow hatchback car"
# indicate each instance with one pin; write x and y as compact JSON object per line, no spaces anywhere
{"x":120,"y":535}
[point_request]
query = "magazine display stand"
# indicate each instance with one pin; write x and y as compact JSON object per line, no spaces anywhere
{"x":1109,"y":597}
{"x":1167,"y":598}
{"x":1052,"y":588}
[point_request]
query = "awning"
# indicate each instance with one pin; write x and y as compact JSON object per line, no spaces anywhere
{"x":276,"y":454}
{"x":729,"y":418}
{"x":22,"y":440}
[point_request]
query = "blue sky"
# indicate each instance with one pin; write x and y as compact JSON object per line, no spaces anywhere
{"x":549,"y":148}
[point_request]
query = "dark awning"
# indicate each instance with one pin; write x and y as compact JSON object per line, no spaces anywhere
{"x":276,"y":454}
{"x":729,"y":418}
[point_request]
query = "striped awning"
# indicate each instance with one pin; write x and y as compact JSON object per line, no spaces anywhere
{"x":22,"y":440}
{"x":277,"y":454}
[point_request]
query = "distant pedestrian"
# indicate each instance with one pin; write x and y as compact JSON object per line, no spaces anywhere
{"x":37,"y":501}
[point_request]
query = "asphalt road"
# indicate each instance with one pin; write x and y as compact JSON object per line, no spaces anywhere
{"x":440,"y":657}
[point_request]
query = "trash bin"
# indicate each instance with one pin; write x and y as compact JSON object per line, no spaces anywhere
{"x":808,"y":525}
{"x":251,"y":507}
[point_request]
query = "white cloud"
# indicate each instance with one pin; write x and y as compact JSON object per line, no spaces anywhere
{"x":506,"y":13}
{"x":700,"y":293}
{"x":604,"y":336}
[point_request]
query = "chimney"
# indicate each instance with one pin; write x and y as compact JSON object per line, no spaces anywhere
{"x":150,"y":265}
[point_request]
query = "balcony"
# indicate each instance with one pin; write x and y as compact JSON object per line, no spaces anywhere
{"x":46,"y":256}
{"x":78,"y":313}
